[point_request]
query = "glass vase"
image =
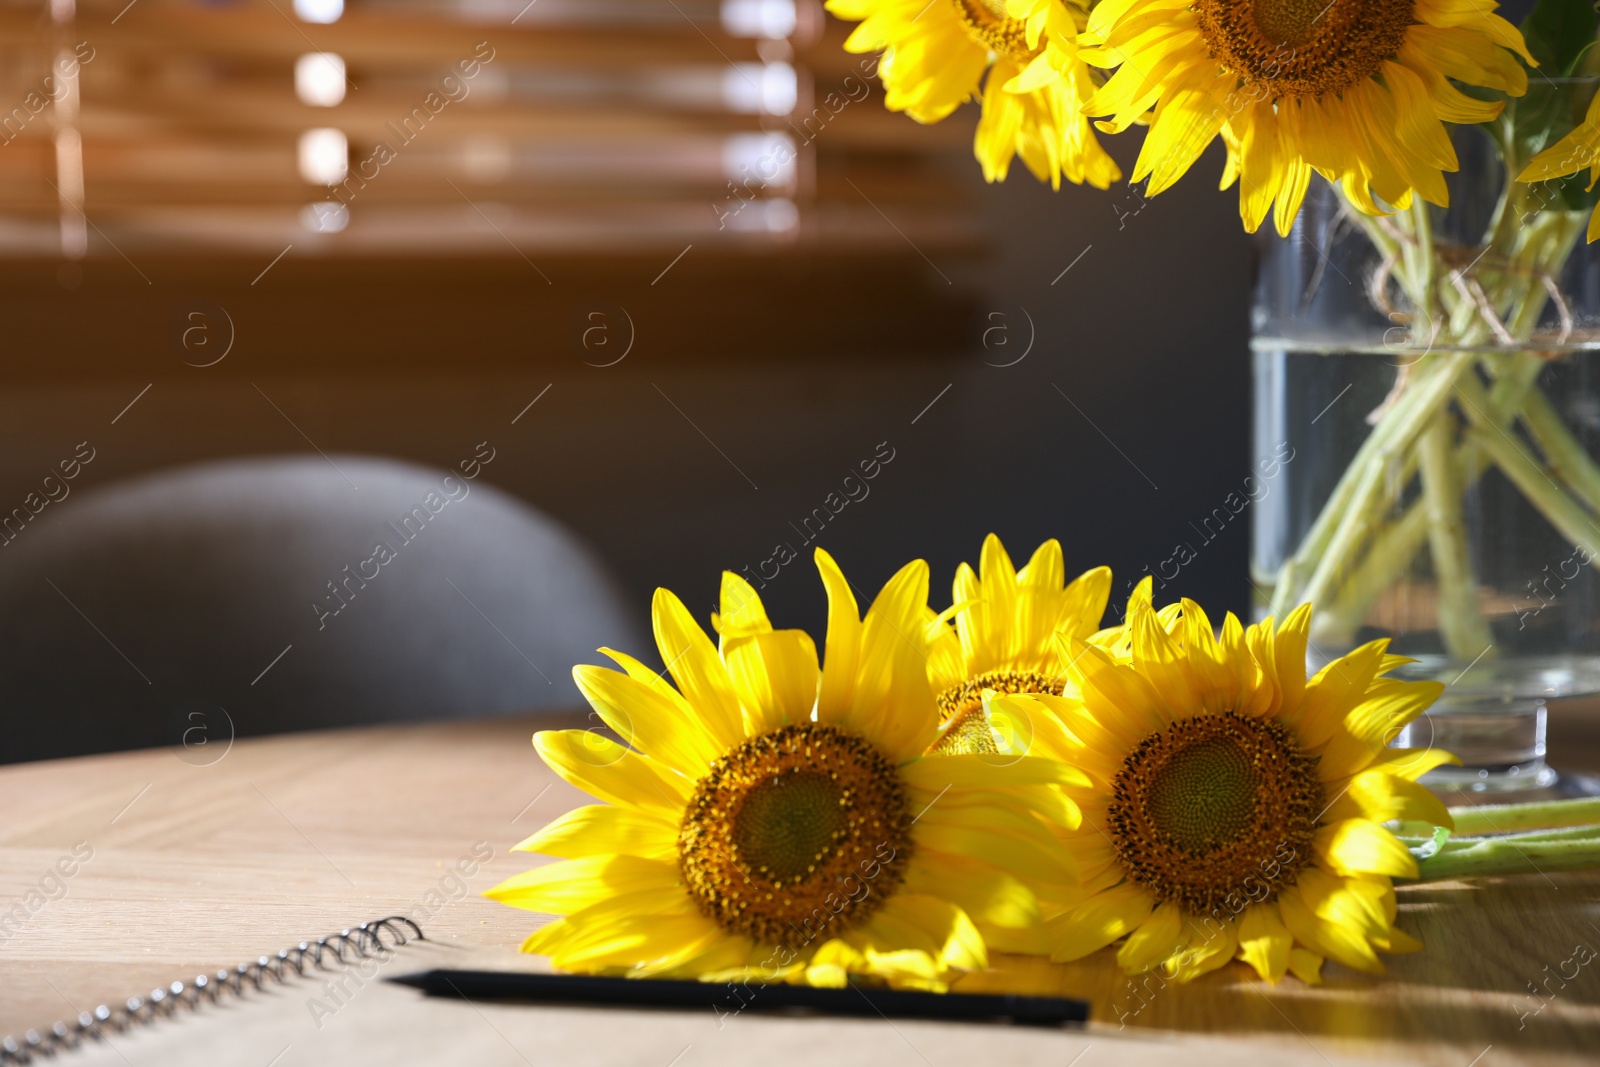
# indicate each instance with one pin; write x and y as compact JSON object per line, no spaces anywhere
{"x":1427,"y":400}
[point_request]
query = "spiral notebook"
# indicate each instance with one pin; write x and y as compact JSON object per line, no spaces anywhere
{"x":325,"y":1003}
{"x":346,"y":963}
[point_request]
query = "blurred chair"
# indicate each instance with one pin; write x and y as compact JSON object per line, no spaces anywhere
{"x":252,"y":596}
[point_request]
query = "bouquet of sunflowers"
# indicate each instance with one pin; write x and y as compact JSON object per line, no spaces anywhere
{"x":1003,"y":776}
{"x":1358,"y":91}
{"x":1365,"y":94}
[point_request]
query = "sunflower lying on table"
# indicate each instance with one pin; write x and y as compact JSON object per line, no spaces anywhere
{"x":1007,"y":625}
{"x":1238,"y":808}
{"x":776,"y":822}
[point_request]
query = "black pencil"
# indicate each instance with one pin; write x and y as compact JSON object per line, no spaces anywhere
{"x":753,"y":997}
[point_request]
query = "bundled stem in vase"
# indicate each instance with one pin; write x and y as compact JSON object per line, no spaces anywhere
{"x":1465,"y":399}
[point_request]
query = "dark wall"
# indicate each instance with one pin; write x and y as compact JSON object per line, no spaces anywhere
{"x":1105,"y":404}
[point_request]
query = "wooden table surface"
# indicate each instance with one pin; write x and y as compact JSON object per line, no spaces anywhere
{"x":183,"y":861}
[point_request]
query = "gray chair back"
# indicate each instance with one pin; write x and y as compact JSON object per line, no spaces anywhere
{"x":259,"y":595}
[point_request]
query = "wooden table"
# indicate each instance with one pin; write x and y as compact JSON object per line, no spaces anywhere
{"x":199,"y":861}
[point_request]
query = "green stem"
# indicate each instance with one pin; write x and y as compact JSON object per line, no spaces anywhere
{"x":1380,"y":238}
{"x":1397,"y":544}
{"x":1458,"y":844}
{"x":1500,"y":856}
{"x":1570,"y":520}
{"x":1401,"y":426}
{"x":1372,"y":481}
{"x":1461,"y":624}
{"x":1566,"y":456}
{"x":1420,"y":262}
{"x":1533,"y":481}
{"x":1571,"y":833}
{"x":1545,"y":815}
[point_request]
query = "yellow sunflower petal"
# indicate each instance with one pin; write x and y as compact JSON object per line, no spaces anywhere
{"x":842,"y":658}
{"x":893,"y":703}
{"x":1257,"y":693}
{"x":1264,"y":942}
{"x":1386,"y":708}
{"x":1097,"y":922}
{"x":1399,"y":942}
{"x":1060,"y":729}
{"x":1289,"y":655}
{"x":1381,"y":797}
{"x":988,"y":770}
{"x":599,"y":829}
{"x":692,"y":660}
{"x":604,"y":769}
{"x":1189,"y":119}
{"x":1051,"y":731}
{"x":639,"y":672}
{"x":1470,"y":56}
{"x":1569,"y":155}
{"x":712,"y":952}
{"x":1163,"y":664}
{"x":569,"y":886}
{"x":1006,"y":820}
{"x":1374,"y":126}
{"x":1046,"y":569}
{"x":742,"y":614}
{"x":1156,"y":939}
{"x":1210,"y":946}
{"x":1047,"y":803}
{"x":1029,"y":857}
{"x":1336,"y":689}
{"x":1085,"y":599}
{"x":999,"y":578}
{"x":958,"y":945}
{"x":987,"y":895}
{"x":775,"y":674}
{"x":1411,"y":763}
{"x":1136,"y":707}
{"x":1333,"y":917}
{"x":833,"y":963}
{"x":1306,"y":965}
{"x":1360,"y":846}
{"x":1215,"y":674}
{"x":638,"y":943}
{"x":663,"y":730}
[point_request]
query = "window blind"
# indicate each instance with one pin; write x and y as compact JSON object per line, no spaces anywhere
{"x":457,"y":127}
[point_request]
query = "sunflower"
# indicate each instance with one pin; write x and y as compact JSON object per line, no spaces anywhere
{"x":772,"y":821}
{"x":1023,"y":54}
{"x":1007,"y":624}
{"x":1356,"y":90}
{"x":1578,"y":149}
{"x":1236,"y":809}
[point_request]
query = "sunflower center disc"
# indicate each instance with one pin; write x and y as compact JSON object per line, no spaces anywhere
{"x":795,"y":836}
{"x":1215,"y":810}
{"x":965,"y":727}
{"x":1205,"y":796}
{"x":789,"y":823}
{"x":988,"y":24}
{"x":1304,"y":47}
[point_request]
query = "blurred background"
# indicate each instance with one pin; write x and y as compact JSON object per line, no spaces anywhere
{"x":669,"y":263}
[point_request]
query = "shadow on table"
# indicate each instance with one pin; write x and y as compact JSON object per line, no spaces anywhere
{"x":1513,"y":963}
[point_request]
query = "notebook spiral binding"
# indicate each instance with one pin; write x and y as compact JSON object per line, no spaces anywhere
{"x":364,"y":942}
